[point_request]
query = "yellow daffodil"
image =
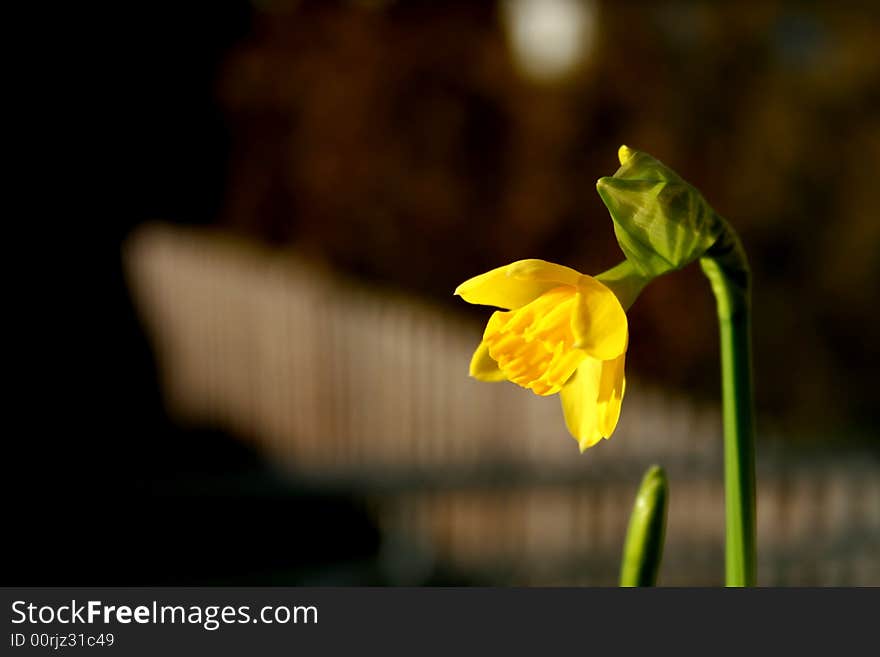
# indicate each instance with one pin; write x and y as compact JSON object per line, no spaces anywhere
{"x":560,"y":331}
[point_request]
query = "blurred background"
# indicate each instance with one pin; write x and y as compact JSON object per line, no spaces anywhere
{"x":244,"y":362}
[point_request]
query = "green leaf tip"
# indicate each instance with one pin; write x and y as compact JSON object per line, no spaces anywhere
{"x":643,"y":549}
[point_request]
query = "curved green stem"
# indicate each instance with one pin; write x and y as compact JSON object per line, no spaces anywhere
{"x":726,"y":268}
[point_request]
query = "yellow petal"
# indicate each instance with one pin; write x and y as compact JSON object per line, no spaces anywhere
{"x":599,"y":321}
{"x":612,"y":385}
{"x":541,"y":270}
{"x":533,"y":344}
{"x":517,"y":284}
{"x":579,"y":405}
{"x":484,"y":367}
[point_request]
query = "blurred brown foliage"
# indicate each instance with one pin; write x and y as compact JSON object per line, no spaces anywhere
{"x":399,"y":142}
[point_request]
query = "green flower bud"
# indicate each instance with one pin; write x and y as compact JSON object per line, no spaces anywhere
{"x":643,"y":549}
{"x":662,"y":222}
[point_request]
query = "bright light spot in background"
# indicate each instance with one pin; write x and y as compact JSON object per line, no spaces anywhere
{"x":549,"y":38}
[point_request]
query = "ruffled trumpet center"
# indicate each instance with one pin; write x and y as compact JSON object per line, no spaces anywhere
{"x":534,"y":345}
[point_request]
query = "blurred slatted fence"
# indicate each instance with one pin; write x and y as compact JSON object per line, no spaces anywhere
{"x":367,"y":391}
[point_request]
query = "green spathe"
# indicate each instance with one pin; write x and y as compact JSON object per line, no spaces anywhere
{"x":662,"y":222}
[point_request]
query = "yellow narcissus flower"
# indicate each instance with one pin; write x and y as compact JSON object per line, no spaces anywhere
{"x":560,"y":332}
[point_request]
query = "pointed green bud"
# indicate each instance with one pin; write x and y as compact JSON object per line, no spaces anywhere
{"x":662,"y":222}
{"x":643,"y":549}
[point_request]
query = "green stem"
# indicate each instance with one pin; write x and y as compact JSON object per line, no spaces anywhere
{"x":726,"y":268}
{"x":625,"y":281}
